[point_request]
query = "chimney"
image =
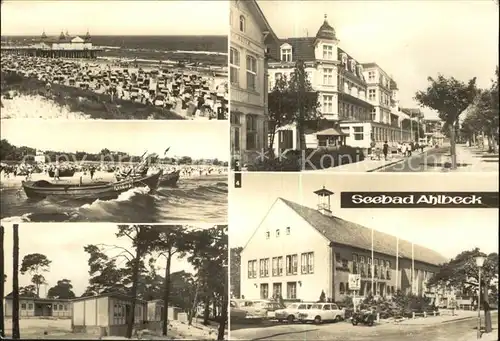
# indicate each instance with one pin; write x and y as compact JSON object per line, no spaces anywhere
{"x":324,"y":201}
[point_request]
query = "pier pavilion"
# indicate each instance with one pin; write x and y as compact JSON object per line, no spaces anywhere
{"x":64,"y":46}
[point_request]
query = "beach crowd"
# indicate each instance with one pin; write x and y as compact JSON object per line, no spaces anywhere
{"x":190,"y":93}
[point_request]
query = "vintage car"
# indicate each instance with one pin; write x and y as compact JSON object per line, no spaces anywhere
{"x":322,"y":312}
{"x":291,"y":313}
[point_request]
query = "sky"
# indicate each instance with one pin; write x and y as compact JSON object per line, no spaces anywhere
{"x":199,"y":140}
{"x":447,"y":231}
{"x":410,"y":40}
{"x":63,"y":244}
{"x":115,"y":17}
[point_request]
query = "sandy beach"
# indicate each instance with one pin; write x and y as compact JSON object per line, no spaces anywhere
{"x":106,"y":86}
{"x":15,"y":181}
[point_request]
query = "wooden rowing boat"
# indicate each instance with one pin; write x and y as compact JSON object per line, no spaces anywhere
{"x":95,"y":190}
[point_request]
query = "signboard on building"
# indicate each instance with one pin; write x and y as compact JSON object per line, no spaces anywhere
{"x":354,"y":281}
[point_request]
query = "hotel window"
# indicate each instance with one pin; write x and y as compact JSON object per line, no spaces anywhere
{"x":345,"y":263}
{"x":371,"y":94}
{"x":30,"y":306}
{"x":288,"y":230}
{"x":362,"y":259}
{"x":65,"y":307}
{"x":371,"y":75}
{"x":286,"y":54}
{"x":358,"y":133}
{"x":277,"y":233}
{"x":328,"y":76}
{"x":251,"y":73}
{"x":280,"y":266}
{"x":291,"y":290}
{"x":327,"y":52}
{"x":274,"y":265}
{"x":242,"y":23}
{"x":268,"y":235}
{"x":342,"y":288}
{"x":252,"y":269}
{"x":23,"y":306}
{"x":344,"y":60}
{"x":264,"y":267}
{"x":264,"y":291}
{"x":327,"y":104}
{"x":291,"y":264}
{"x":234,"y":65}
{"x":374,"y":114}
{"x":251,"y":130}
{"x":307,"y":263}
{"x":55,"y":307}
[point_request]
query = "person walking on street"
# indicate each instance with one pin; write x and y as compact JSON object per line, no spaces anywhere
{"x":403,"y":149}
{"x":385,"y":150}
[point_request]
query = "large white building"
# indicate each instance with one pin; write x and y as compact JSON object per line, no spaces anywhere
{"x":298,"y":252}
{"x":248,"y":76}
{"x":356,"y":100}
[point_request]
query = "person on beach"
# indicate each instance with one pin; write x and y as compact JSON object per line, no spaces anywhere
{"x":56,"y":174}
{"x":385,"y":150}
{"x":92,"y":171}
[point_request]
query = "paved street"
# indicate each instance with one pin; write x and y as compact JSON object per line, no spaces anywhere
{"x":432,"y":160}
{"x":462,"y":330}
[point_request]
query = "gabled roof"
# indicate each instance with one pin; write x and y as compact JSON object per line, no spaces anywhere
{"x":344,"y":232}
{"x":302,"y":48}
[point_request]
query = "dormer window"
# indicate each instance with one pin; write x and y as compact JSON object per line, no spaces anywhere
{"x":288,"y":230}
{"x":268,"y":235}
{"x":277,"y":233}
{"x":242,"y":23}
{"x":286,"y":52}
{"x":360,"y":71}
{"x":353,"y":65}
{"x":328,"y":52}
{"x":344,"y":60}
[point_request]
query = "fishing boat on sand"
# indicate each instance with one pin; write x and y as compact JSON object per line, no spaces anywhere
{"x":166,"y":180}
{"x":63,"y":173}
{"x":95,"y":190}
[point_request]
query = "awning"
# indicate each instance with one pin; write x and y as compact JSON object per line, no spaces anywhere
{"x":330,"y":132}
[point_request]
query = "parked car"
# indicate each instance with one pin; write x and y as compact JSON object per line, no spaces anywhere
{"x":253,"y":310}
{"x":262,"y":308}
{"x":291,"y":313}
{"x":322,"y":312}
{"x":236,"y":312}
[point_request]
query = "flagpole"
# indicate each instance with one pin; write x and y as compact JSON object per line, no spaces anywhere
{"x":397,"y":263}
{"x":412,"y":270}
{"x":373,"y":268}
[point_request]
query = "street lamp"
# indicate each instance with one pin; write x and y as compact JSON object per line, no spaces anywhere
{"x":479,"y":263}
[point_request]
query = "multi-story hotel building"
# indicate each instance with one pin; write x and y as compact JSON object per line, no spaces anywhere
{"x":298,"y":252}
{"x":248,"y":76}
{"x":357,"y":110}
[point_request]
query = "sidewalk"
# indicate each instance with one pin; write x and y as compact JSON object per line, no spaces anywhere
{"x":474,"y":159}
{"x":367,"y":165}
{"x":433,"y":320}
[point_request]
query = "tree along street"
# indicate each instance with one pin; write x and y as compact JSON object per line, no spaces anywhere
{"x":450,"y":331}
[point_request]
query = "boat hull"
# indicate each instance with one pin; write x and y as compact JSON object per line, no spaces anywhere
{"x":170,"y":179}
{"x":99,"y":190}
{"x":66,"y":173}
